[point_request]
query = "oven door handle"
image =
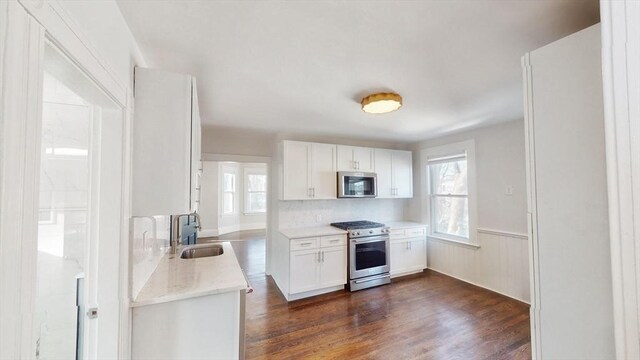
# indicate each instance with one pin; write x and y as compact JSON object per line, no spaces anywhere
{"x":371,"y":239}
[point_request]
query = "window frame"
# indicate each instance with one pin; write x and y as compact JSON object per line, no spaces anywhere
{"x":453,"y":150}
{"x":254,"y":171}
{"x":233,"y":192}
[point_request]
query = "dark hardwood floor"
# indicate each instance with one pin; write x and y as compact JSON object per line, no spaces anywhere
{"x":422,"y":316}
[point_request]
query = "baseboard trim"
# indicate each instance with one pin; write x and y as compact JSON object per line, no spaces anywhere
{"x":480,"y":286}
{"x":306,"y":294}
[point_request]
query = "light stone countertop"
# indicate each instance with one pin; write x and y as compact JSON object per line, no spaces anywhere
{"x":178,"y":279}
{"x":312,"y":231}
{"x":404,"y":224}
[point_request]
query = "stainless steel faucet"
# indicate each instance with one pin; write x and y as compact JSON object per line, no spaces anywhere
{"x":175,"y":239}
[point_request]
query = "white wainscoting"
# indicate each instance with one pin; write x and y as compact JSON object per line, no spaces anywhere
{"x":501,"y":264}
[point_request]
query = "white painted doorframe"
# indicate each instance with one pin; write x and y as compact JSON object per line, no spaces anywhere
{"x":270,"y":170}
{"x":24,"y":26}
{"x":621,"y":90}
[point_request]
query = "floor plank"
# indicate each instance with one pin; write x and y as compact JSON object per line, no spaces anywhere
{"x":422,"y":316}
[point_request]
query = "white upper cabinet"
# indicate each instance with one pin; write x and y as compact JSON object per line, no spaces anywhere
{"x":395,"y":173}
{"x":309,"y":171}
{"x":166,"y":144}
{"x":353,"y":158}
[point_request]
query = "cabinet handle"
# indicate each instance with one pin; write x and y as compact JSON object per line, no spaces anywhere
{"x":313,"y":192}
{"x":309,"y":192}
{"x":406,"y":247}
{"x":318,"y":256}
{"x":322,"y":256}
{"x":305,"y":244}
{"x":334,"y":241}
{"x":410,"y":246}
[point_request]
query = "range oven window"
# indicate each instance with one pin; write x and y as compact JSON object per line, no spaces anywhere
{"x":370,"y":255}
{"x":359,"y":185}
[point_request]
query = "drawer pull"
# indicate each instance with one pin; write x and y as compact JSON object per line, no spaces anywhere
{"x":334,"y":241}
{"x":305,"y":244}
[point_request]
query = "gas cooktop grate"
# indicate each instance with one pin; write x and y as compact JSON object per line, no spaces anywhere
{"x":353,"y":225}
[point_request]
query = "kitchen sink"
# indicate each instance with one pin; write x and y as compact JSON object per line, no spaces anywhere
{"x":200,"y":251}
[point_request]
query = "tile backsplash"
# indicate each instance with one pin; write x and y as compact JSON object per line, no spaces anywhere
{"x":149,"y":242}
{"x":297,"y":214}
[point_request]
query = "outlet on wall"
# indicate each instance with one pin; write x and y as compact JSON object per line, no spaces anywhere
{"x":318,"y":218}
{"x":508,"y":191}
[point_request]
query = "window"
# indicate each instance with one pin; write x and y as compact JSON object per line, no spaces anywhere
{"x":450,"y":189}
{"x":229,"y":193}
{"x":256,"y":193}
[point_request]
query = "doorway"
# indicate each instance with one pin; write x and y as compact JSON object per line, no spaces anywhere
{"x":78,"y":234}
{"x":234,"y":208}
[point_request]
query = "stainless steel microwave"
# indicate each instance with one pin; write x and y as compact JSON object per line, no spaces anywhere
{"x":357,"y":184}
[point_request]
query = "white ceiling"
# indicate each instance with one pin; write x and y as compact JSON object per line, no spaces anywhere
{"x":303,"y":66}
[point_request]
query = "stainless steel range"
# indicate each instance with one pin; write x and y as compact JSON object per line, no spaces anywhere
{"x":368,"y":253}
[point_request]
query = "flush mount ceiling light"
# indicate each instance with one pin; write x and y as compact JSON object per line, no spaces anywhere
{"x":381,"y":103}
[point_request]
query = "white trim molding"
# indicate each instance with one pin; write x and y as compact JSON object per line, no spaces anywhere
{"x":21,"y":53}
{"x":467,"y":147}
{"x":621,"y":89}
{"x":510,"y":234}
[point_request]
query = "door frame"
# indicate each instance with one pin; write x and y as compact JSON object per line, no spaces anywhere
{"x":270,"y":207}
{"x":25,"y":25}
{"x":621,"y":88}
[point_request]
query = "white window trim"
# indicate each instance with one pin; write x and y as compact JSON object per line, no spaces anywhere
{"x":469,"y":148}
{"x":222,"y":193}
{"x":253,"y":171}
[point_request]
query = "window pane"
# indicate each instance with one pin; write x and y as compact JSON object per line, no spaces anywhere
{"x":228,"y":203}
{"x":257,"y":202}
{"x":449,"y":177}
{"x":229,"y":182}
{"x":256,"y":182}
{"x":451,"y":216}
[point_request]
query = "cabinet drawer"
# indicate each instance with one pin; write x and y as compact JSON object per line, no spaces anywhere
{"x":415,"y":232}
{"x":306,"y":243}
{"x":397,"y":233}
{"x":335,"y":240}
{"x":407,"y":233}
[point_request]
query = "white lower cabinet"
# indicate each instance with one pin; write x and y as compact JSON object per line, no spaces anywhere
{"x":408,"y":249}
{"x":305,"y":270}
{"x":324,"y":265}
{"x":333,"y":269}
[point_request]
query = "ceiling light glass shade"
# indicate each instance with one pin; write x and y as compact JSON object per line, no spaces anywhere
{"x":381,"y":103}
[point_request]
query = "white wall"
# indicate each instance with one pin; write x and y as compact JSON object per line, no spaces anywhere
{"x":214,"y":222}
{"x":209,"y":201}
{"x":103,"y":23}
{"x":500,"y":264}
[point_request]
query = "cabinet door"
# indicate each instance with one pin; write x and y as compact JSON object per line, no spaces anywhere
{"x":345,"y":161}
{"x":417,"y":257}
{"x":363,"y":158}
{"x":398,"y":257}
{"x":161,"y":144}
{"x":402,"y":174}
{"x":323,"y":171}
{"x":296,"y":184}
{"x":304,"y":271}
{"x":383,"y":170}
{"x":333,"y":266}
